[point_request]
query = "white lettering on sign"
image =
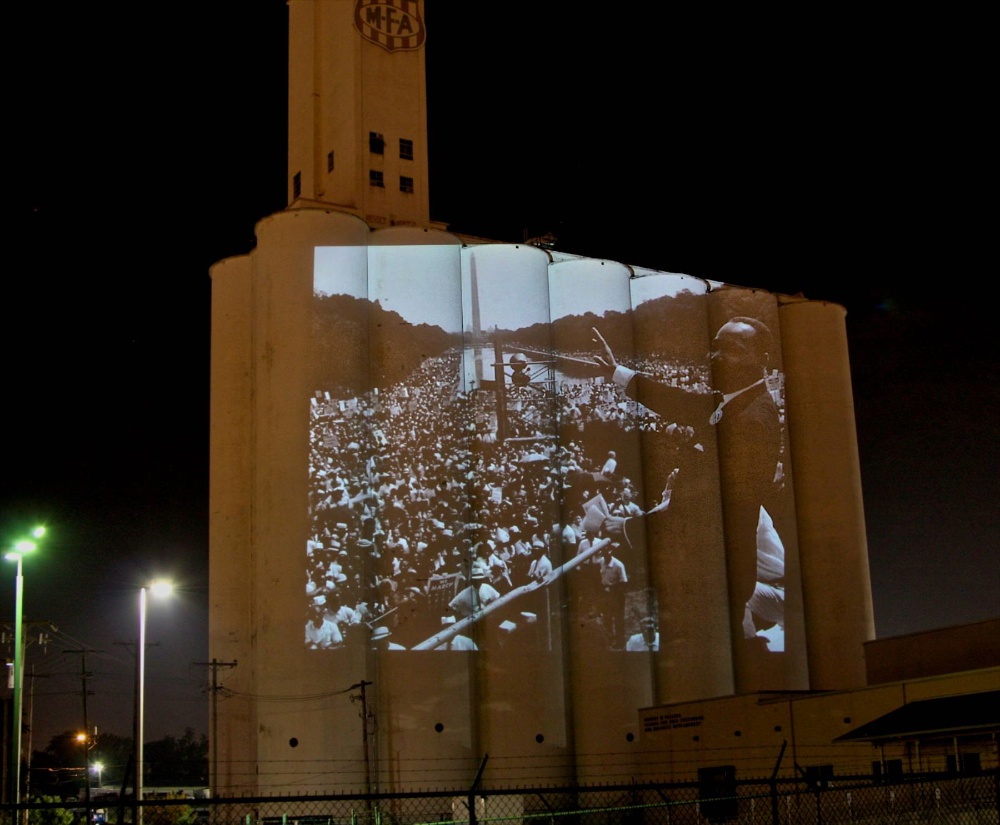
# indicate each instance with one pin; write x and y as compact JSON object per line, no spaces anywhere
{"x":670,"y":721}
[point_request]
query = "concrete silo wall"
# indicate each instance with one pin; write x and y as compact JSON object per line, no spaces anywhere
{"x":495,"y":487}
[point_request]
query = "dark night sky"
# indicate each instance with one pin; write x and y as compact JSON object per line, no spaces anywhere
{"x":841,"y":158}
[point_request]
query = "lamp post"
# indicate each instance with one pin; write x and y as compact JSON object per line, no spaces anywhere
{"x":97,"y":768}
{"x":158,"y":588}
{"x":17,"y":554}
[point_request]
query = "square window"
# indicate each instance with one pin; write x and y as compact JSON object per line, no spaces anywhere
{"x":405,"y":184}
{"x":329,"y":161}
{"x":819,"y":776}
{"x":970,"y":762}
{"x":375,"y":178}
{"x":297,"y":185}
{"x":406,"y":149}
{"x":376,"y":143}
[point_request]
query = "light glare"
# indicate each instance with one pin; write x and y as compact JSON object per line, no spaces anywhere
{"x":161,"y":588}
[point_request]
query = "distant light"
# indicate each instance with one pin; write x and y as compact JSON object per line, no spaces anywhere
{"x":38,"y":532}
{"x":81,"y":737}
{"x":24,"y":546}
{"x":161,"y":588}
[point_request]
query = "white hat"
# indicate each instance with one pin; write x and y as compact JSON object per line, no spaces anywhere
{"x":381,"y":632}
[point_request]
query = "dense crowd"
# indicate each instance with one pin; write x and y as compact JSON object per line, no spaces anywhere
{"x":421,"y":516}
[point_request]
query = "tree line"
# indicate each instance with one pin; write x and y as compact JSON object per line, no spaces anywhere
{"x":60,"y":770}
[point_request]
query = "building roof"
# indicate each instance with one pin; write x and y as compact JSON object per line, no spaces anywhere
{"x":963,"y":714}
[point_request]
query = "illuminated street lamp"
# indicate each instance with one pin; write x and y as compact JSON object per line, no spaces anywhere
{"x":21,"y":548}
{"x":97,"y":768}
{"x":159,"y":589}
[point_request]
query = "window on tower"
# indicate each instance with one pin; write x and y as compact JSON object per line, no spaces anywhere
{"x":405,"y":184}
{"x":297,"y":185}
{"x":376,"y":143}
{"x":406,"y":149}
{"x":329,"y":161}
{"x":375,"y":178}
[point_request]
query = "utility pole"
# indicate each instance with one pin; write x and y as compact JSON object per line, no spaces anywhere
{"x":87,"y":742}
{"x":215,"y":664}
{"x":30,"y":713}
{"x":23,"y":631}
{"x":364,"y":733}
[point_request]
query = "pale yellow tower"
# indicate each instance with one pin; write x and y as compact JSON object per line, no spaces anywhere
{"x":357,"y":110}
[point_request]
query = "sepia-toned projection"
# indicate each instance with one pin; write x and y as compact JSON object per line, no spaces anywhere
{"x":515,"y":455}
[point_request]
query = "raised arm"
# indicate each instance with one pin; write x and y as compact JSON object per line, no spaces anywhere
{"x":668,"y":490}
{"x":607,"y":359}
{"x":672,"y":403}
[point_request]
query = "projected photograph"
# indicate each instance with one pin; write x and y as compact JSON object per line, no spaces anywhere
{"x":510,"y":451}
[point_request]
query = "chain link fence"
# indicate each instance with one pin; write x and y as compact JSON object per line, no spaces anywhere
{"x":914,"y":798}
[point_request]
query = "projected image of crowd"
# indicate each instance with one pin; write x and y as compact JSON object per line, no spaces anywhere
{"x":434,"y":527}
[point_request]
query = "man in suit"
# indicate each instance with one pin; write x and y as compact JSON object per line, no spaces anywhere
{"x":749,"y":430}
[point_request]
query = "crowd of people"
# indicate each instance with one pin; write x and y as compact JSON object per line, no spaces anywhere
{"x":422,"y":517}
{"x":438,"y":518}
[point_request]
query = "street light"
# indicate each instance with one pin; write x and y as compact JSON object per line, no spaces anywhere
{"x":21,"y":548}
{"x":97,"y":768}
{"x":159,"y":589}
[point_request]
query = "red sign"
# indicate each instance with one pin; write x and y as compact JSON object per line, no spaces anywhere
{"x":395,"y":25}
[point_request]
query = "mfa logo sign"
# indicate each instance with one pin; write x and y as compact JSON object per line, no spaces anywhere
{"x":395,"y":25}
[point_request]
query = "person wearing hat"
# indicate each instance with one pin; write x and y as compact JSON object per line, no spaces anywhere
{"x":541,"y":565}
{"x":477,"y":595}
{"x":613,"y":581}
{"x":380,"y":639}
{"x":499,"y":572}
{"x":648,"y":637}
{"x":321,"y":632}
